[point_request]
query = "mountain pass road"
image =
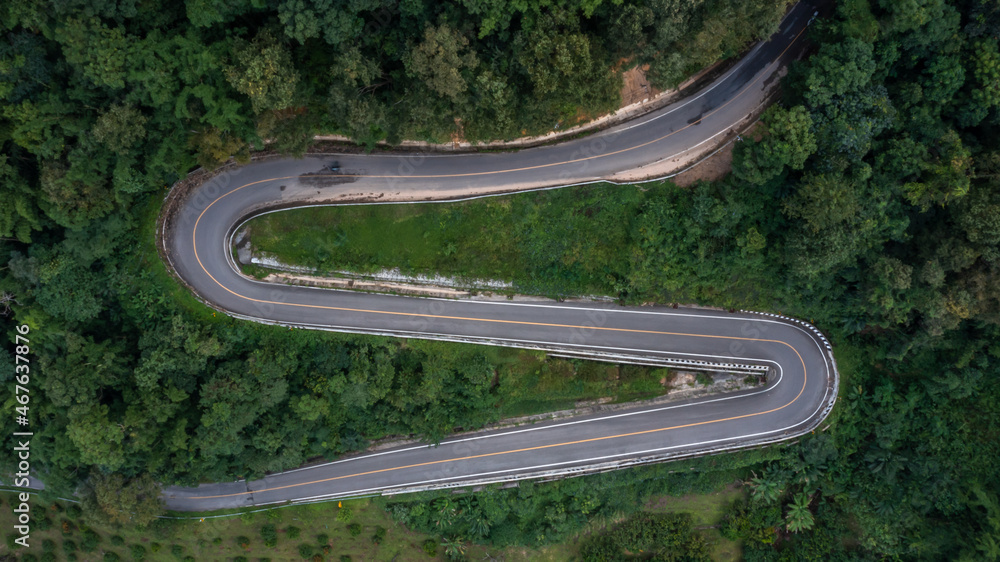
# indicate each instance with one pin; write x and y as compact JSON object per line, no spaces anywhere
{"x":196,"y":238}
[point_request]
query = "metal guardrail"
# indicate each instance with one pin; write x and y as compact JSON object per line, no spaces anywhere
{"x":655,"y":361}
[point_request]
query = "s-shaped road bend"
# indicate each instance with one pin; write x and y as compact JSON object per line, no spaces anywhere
{"x":800,"y":393}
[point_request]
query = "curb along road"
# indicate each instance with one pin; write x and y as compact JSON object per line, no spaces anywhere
{"x":195,"y":242}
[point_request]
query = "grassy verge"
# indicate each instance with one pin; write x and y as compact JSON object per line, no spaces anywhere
{"x":548,"y":242}
{"x":255,"y":271}
{"x":532,"y":383}
{"x":153,"y":271}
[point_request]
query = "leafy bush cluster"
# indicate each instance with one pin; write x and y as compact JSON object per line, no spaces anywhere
{"x":536,"y":514}
{"x":269,"y":534}
{"x":653,"y":536}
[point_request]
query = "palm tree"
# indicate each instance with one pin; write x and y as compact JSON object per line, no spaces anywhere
{"x":989,"y":546}
{"x":765,"y":489}
{"x":799,"y":517}
{"x":446,"y":512}
{"x":478,"y":524}
{"x":454,"y":547}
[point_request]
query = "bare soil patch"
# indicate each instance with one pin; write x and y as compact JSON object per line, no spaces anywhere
{"x":636,"y":87}
{"x":714,"y":167}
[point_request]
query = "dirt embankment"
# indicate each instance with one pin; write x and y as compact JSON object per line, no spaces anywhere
{"x":716,"y":166}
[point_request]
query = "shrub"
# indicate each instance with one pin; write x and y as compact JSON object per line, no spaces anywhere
{"x":155,"y":547}
{"x":177,"y":551}
{"x":657,"y":534}
{"x":379,"y":535}
{"x":323,"y":538}
{"x":752,"y":522}
{"x":345,"y":514}
{"x":74,"y":512}
{"x":240,"y":559}
{"x":293,"y":532}
{"x":243,"y":541}
{"x":306,"y":550}
{"x":111,"y":556}
{"x":163,"y":528}
{"x":217,"y":541}
{"x":69,"y":546}
{"x":117,"y":540}
{"x":89,"y":541}
{"x":48,"y":545}
{"x":345,"y":558}
{"x":48,"y":557}
{"x":189,"y":559}
{"x":592,"y":371}
{"x":273,"y":515}
{"x":29,"y":557}
{"x":354,"y":529}
{"x":430,"y":547}
{"x":138,"y":552}
{"x":270,"y":535}
{"x":630,"y":373}
{"x":44,"y":523}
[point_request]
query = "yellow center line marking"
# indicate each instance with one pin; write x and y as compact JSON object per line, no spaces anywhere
{"x":519,"y":322}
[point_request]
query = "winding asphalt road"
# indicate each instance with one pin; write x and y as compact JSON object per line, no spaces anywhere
{"x":802,"y":389}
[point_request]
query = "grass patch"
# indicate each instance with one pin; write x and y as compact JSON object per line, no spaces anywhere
{"x":255,"y":271}
{"x":705,"y":509}
{"x":554,"y":242}
{"x":532,"y":383}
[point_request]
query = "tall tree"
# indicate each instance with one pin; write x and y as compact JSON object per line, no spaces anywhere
{"x":442,"y":61}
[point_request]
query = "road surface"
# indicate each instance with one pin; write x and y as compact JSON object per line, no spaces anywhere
{"x":802,"y":389}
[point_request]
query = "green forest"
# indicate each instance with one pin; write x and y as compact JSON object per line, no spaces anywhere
{"x":870,"y":205}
